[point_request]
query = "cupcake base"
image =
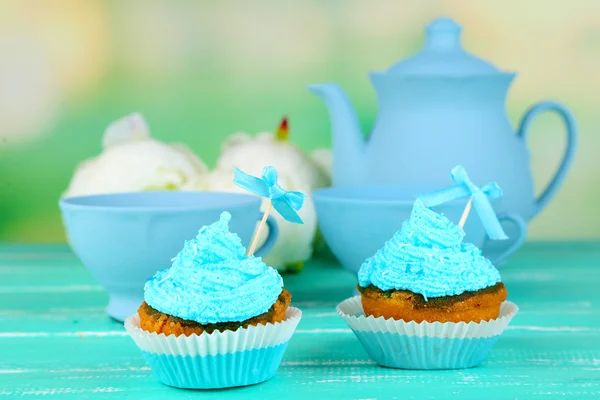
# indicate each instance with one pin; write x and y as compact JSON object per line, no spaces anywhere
{"x":426,"y":345}
{"x":217,"y":360}
{"x":152,"y":320}
{"x":480,"y":305}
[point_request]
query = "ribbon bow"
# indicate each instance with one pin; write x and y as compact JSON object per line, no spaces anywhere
{"x":479,"y":197}
{"x":286,"y":203}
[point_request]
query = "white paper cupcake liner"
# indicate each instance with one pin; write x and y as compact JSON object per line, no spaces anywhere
{"x":425,"y":345}
{"x":217,"y":360}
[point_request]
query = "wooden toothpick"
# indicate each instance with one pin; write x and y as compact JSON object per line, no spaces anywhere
{"x":465,"y":214}
{"x":259,"y":229}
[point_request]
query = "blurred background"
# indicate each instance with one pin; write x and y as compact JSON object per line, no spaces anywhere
{"x":201,"y":70}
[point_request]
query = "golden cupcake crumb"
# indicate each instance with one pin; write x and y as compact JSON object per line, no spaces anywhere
{"x":152,"y":320}
{"x":477,"y":306}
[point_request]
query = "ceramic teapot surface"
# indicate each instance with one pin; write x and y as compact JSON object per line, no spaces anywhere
{"x":437,"y":109}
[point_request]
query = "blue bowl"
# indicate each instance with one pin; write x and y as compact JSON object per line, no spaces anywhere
{"x":123,"y":239}
{"x":357,"y":221}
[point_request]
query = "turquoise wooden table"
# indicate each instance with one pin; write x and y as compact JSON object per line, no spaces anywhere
{"x":55,"y":339}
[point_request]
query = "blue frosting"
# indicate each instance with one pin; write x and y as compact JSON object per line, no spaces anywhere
{"x":427,"y":256}
{"x":211,"y":280}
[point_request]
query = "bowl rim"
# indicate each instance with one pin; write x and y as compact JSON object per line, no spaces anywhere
{"x":325,"y":195}
{"x":243,"y":199}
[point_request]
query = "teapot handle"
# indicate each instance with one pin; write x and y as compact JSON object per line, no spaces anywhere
{"x":521,"y":225}
{"x":569,"y":153}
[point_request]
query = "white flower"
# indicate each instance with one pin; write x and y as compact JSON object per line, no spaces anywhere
{"x":296,"y":171}
{"x":132,"y":161}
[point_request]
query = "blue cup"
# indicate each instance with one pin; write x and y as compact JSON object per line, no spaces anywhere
{"x":357,"y":221}
{"x":123,"y":239}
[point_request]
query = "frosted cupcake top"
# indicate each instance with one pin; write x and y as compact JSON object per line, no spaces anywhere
{"x":211,"y":280}
{"x":427,"y":256}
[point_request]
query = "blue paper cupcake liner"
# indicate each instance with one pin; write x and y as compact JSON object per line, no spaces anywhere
{"x":415,"y":352}
{"x":219,"y":371}
{"x":218,"y":360}
{"x":411,"y":345}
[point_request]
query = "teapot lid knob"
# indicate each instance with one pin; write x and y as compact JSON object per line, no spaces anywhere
{"x":443,"y":54}
{"x":443,"y":34}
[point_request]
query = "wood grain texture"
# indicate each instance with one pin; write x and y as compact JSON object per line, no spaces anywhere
{"x":55,"y":340}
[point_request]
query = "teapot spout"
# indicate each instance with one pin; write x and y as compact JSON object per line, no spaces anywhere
{"x":348,"y":143}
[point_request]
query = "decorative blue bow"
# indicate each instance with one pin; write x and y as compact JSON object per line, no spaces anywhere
{"x":286,"y":203}
{"x":479,"y":196}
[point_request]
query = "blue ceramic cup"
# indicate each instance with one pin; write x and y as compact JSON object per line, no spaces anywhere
{"x":123,"y":239}
{"x":357,"y":221}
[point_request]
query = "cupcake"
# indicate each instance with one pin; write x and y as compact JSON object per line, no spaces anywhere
{"x":217,"y":318}
{"x":426,"y":273}
{"x":427,"y":299}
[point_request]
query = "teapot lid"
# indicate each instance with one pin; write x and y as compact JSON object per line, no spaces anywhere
{"x":443,"y":54}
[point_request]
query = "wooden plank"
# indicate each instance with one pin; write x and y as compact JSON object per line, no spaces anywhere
{"x":91,"y":319}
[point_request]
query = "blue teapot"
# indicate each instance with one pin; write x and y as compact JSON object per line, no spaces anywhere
{"x":437,"y":109}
